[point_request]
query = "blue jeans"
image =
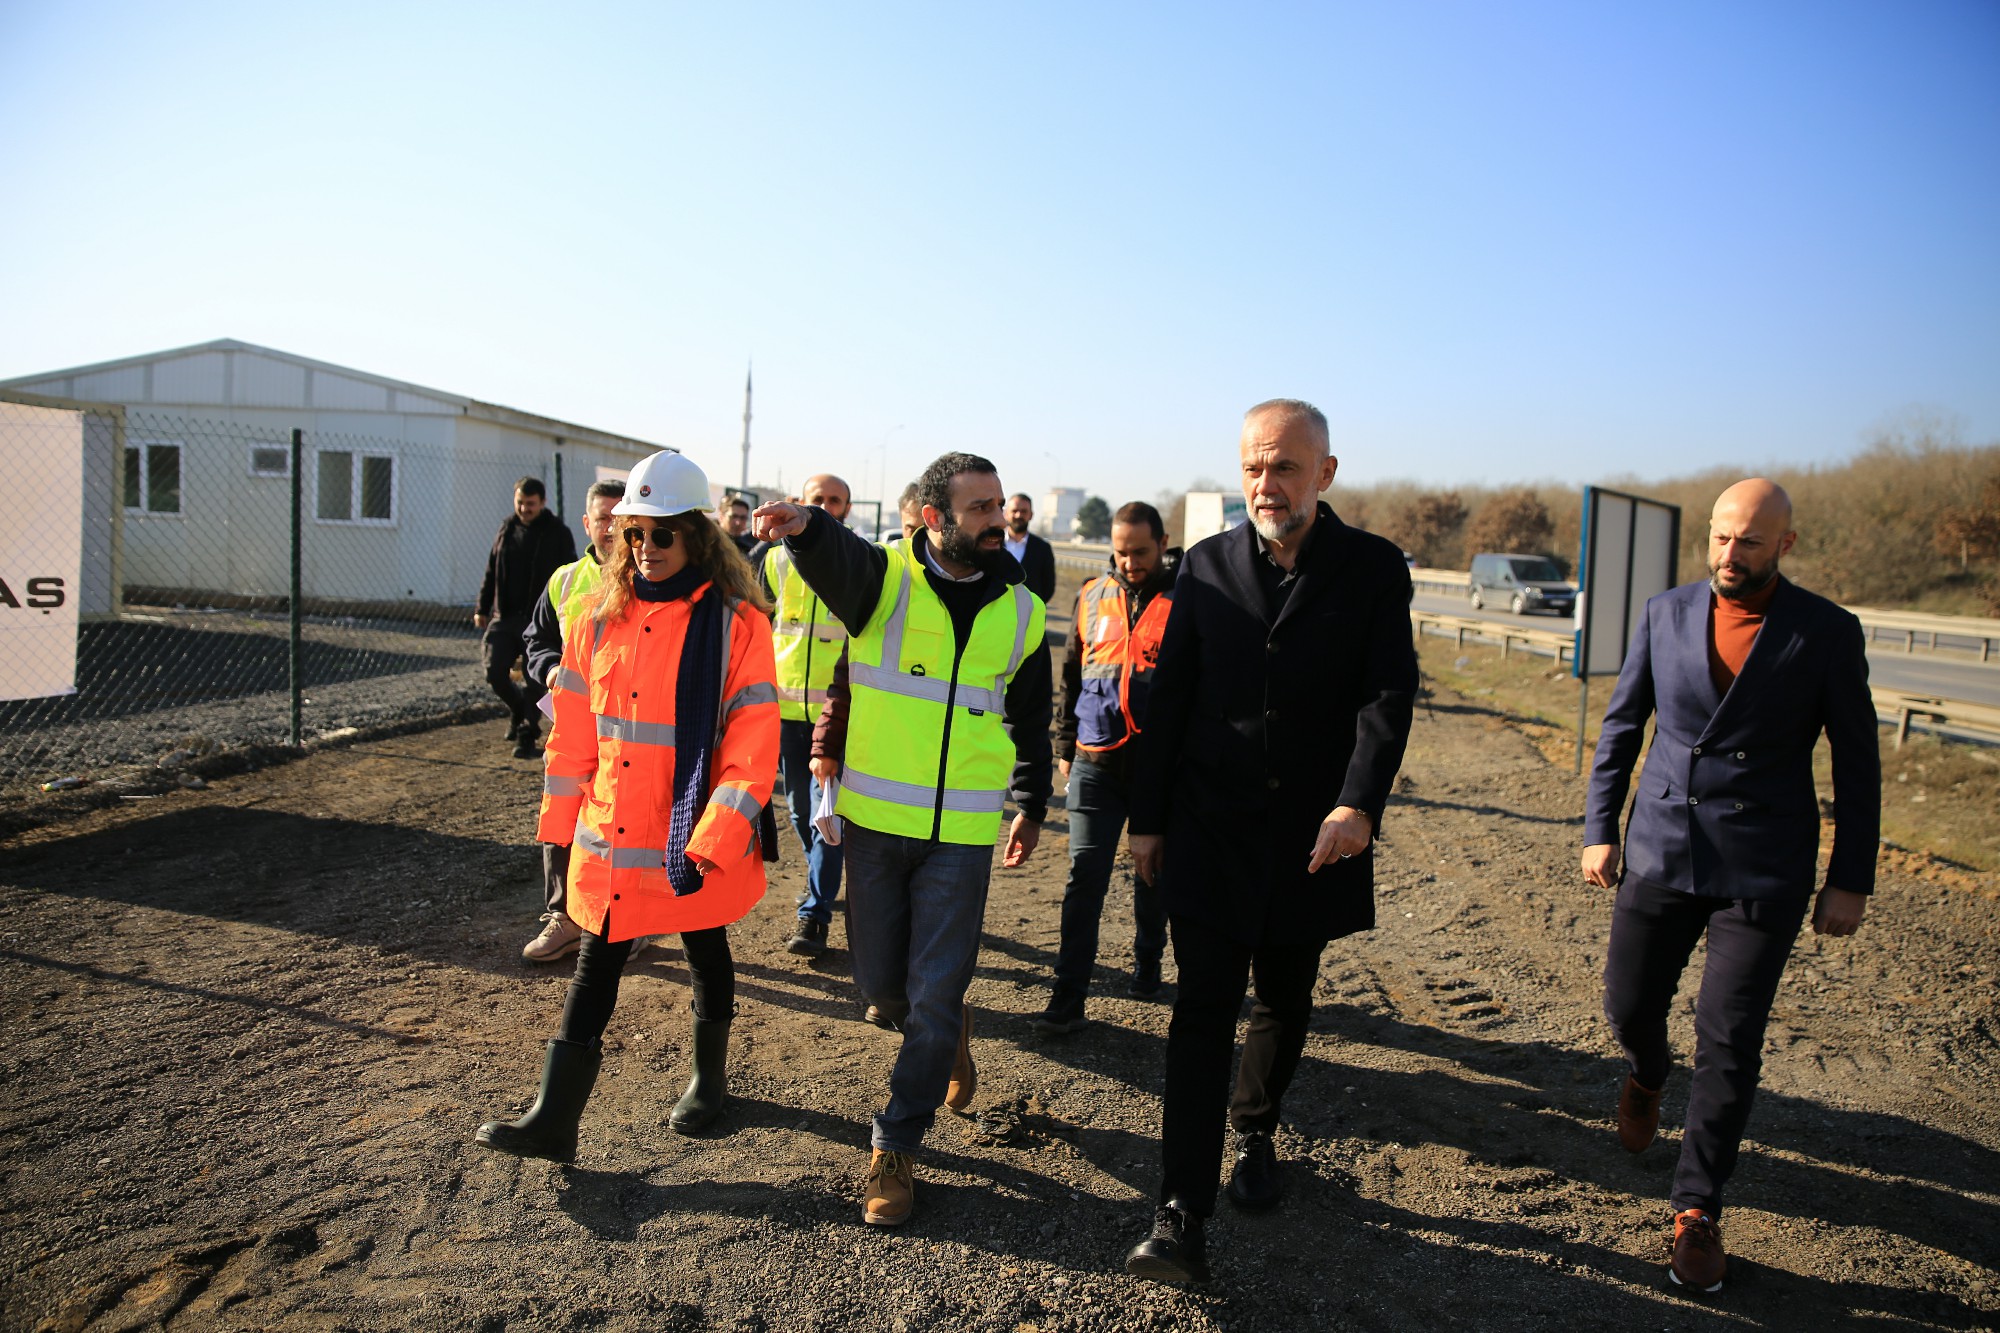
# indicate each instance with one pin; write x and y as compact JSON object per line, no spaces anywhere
{"x":914,"y":913}
{"x":1097,"y":803}
{"x":802,"y":794}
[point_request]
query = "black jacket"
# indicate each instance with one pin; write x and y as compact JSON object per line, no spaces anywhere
{"x":1257,"y":729}
{"x":519,"y":565}
{"x":1038,"y":568}
{"x":848,"y":571}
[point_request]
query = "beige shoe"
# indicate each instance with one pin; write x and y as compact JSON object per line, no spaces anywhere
{"x":560,"y":938}
{"x":890,"y":1191}
{"x":964,"y":1073}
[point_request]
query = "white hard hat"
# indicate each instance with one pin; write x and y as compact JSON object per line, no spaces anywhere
{"x":664,"y":484}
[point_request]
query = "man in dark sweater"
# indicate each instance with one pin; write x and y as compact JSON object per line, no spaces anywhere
{"x":531,"y":545}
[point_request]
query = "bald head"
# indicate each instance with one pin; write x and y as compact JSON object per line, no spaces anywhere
{"x":1749,"y":532}
{"x":828,"y":492}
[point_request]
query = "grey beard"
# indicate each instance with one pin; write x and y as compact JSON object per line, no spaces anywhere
{"x":1277,"y":532}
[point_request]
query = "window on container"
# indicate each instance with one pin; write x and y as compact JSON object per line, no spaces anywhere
{"x":378,"y":488}
{"x":356,"y":488}
{"x":270,"y":460}
{"x":153,"y":478}
{"x":336,"y":485}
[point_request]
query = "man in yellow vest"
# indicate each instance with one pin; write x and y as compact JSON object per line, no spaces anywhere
{"x":949,"y":716}
{"x":808,"y":638}
{"x":568,"y":588}
{"x":1114,"y":643}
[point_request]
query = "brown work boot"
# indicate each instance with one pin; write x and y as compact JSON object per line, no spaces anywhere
{"x":1698,"y":1259}
{"x":1638,"y":1115}
{"x":890,"y":1191}
{"x":964,"y":1073}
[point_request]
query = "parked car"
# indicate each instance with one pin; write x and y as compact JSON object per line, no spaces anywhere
{"x":1521,"y":583}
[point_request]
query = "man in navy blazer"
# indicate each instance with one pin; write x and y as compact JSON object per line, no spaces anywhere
{"x":1743,"y":672}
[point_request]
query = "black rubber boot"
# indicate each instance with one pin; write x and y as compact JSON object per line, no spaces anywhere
{"x":569,"y":1072}
{"x":702,"y":1101}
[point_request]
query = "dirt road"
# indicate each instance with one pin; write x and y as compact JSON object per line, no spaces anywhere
{"x":251,"y":1029}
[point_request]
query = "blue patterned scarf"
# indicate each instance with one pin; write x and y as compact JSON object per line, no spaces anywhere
{"x":697,"y":702}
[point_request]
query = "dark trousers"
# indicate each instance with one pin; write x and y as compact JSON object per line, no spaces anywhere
{"x":1213,"y":970}
{"x":1097,"y":807}
{"x":593,"y":990}
{"x":555,"y":876}
{"x":499,"y":649}
{"x":823,"y":858}
{"x":1653,"y":930}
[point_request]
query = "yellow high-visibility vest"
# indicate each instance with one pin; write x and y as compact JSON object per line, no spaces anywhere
{"x":927,"y":756}
{"x":570,"y":589}
{"x":805,"y":635}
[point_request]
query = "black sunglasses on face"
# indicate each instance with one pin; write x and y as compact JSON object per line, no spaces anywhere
{"x":663,"y":537}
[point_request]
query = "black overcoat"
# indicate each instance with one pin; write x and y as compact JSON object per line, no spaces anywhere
{"x":1257,"y":729}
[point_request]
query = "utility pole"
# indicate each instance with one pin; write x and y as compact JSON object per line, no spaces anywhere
{"x":745,"y":482}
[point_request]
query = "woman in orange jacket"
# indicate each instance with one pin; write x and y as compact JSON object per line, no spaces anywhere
{"x":661,"y":761}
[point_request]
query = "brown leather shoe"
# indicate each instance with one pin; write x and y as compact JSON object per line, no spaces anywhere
{"x":891,"y":1189}
{"x":964,"y":1073}
{"x":1698,"y":1259}
{"x":1638,"y":1115}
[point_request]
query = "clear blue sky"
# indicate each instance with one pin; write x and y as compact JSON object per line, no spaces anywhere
{"x":1493,"y":242}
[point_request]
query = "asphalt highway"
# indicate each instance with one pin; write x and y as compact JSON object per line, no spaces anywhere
{"x":1946,"y":674}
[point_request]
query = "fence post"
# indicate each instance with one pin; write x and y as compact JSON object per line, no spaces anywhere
{"x":560,"y":508}
{"x":297,"y":677}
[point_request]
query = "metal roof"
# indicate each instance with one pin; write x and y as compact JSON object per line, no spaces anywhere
{"x":395,"y":390}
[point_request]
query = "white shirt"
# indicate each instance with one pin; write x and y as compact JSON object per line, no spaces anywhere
{"x":1018,"y":549}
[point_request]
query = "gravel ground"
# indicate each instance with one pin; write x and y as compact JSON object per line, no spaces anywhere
{"x":205,"y":682}
{"x":254,"y":1026}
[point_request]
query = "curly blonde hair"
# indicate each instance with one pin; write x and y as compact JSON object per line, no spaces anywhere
{"x":708,"y":549}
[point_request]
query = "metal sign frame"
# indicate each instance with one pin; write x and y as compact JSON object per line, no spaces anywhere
{"x":1588,"y":574}
{"x":1590,"y":631}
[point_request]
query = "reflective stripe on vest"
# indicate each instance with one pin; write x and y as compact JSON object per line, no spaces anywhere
{"x":927,"y":755}
{"x":803,"y":638}
{"x":618,"y":858}
{"x":1117,"y":662}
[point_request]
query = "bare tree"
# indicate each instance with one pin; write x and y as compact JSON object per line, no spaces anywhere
{"x":1515,"y":520}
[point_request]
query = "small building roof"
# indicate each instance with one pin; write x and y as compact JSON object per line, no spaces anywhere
{"x":244,"y":373}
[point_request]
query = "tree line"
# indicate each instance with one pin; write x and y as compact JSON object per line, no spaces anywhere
{"x":1913,"y":520}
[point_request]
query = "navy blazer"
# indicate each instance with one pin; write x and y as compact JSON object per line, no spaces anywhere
{"x":1726,"y":805}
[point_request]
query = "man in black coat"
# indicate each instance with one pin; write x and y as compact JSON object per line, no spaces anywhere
{"x":531,"y":545}
{"x":1278,"y":717}
{"x":1036,"y":557}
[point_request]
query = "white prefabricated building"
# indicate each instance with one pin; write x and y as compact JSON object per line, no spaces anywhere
{"x":403,"y":486}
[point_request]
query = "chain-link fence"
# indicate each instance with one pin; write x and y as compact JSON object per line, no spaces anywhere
{"x":237,"y":585}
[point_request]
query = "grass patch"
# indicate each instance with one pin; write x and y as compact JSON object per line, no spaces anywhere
{"x":1938,"y":797}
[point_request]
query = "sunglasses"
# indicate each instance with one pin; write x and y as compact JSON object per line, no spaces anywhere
{"x":663,"y":537}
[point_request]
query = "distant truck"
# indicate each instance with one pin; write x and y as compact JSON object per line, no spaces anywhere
{"x":1210,"y":512}
{"x":1521,"y":583}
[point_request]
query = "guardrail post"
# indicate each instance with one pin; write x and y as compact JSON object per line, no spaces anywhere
{"x":293,"y":664}
{"x":1909,"y":641}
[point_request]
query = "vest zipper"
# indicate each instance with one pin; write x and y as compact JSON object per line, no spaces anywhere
{"x":944,"y":746}
{"x":812,"y":618}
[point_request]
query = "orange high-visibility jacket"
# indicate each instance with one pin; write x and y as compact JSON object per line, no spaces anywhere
{"x":608,"y":784}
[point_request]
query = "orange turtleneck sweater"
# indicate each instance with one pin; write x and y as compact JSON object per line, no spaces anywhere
{"x":1732,"y":629}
